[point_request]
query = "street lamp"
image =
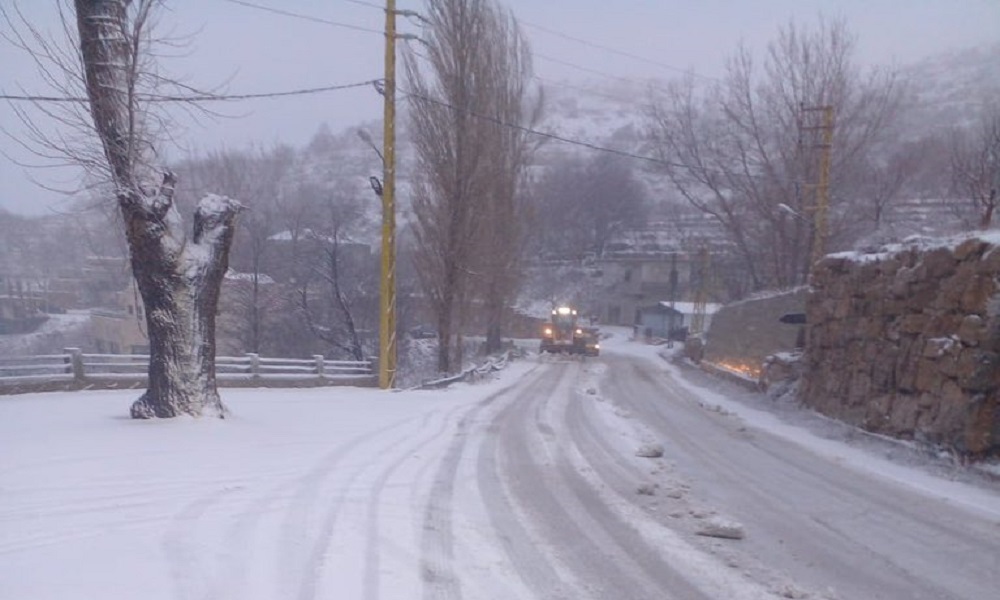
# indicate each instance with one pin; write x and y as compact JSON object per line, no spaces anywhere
{"x":809,"y":223}
{"x":788,"y":209}
{"x":366,"y":137}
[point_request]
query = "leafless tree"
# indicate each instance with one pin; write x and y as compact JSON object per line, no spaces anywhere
{"x":178,"y":275}
{"x":335,"y":280}
{"x":505,"y":210}
{"x":583,"y":203}
{"x":975,"y":165}
{"x":471,"y":89}
{"x":744,"y":150}
{"x":882,"y":181}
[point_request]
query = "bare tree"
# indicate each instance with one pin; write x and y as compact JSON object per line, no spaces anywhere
{"x":178,"y":278}
{"x":117,"y":131}
{"x":975,"y":165}
{"x":883,"y":179}
{"x":583,"y":204}
{"x":505,"y":209}
{"x":336,"y":285}
{"x":743,"y":150}
{"x":473,"y":87}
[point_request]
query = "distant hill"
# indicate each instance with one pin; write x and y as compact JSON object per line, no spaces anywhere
{"x":948,"y":90}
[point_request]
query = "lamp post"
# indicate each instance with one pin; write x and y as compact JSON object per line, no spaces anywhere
{"x":811,"y":224}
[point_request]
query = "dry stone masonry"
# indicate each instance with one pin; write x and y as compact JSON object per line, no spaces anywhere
{"x":906,"y":342}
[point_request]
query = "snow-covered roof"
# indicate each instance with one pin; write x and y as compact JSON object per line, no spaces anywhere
{"x":687,"y":308}
{"x":282,"y":236}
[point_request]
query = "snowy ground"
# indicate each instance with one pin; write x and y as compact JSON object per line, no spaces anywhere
{"x":527,"y":486}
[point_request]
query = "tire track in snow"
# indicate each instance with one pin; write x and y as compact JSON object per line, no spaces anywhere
{"x":304,"y":566}
{"x":203,"y":569}
{"x":188,"y":572}
{"x":371,"y":584}
{"x":594,"y":545}
{"x":535,"y":569}
{"x":829,"y":525}
{"x":579,"y":493}
{"x":440,"y":581}
{"x":595,"y":468}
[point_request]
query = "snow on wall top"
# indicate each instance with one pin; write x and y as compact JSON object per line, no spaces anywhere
{"x":917,"y":243}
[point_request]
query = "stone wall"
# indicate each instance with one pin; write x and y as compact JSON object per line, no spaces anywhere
{"x":906,"y":342}
{"x":743,"y":334}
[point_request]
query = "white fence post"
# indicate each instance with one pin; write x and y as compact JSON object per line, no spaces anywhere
{"x":75,"y":361}
{"x":320,"y":363}
{"x":254,"y":364}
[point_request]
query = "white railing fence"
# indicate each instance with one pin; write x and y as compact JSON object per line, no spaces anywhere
{"x":75,"y":369}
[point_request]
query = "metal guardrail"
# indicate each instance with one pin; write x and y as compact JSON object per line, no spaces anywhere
{"x":75,"y":370}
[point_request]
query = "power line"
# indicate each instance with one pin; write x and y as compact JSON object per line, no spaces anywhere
{"x":553,"y":83}
{"x":363,"y":3}
{"x":583,"y":143}
{"x":616,"y":51}
{"x":548,"y":134}
{"x":202,"y":97}
{"x":548,"y":58}
{"x":581,"y":68}
{"x":304,"y":17}
{"x":298,"y":92}
{"x":536,"y":54}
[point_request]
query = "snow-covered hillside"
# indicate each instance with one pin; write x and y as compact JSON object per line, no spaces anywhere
{"x":949,"y":90}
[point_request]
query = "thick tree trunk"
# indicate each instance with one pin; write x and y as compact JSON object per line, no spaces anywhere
{"x":444,"y":337}
{"x":178,"y":278}
{"x":495,"y":304}
{"x":180,"y":291}
{"x":168,"y":323}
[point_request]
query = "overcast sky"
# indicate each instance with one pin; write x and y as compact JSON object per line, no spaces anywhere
{"x":259,"y":51}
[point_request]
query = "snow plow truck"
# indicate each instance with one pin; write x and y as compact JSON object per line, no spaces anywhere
{"x":563,"y":335}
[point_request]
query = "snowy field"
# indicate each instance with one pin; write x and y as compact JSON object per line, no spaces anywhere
{"x":363,"y":494}
{"x":95,"y":505}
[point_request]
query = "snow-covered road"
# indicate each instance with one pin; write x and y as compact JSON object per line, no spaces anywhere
{"x":526,"y":487}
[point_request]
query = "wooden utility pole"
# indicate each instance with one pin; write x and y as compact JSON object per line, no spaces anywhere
{"x":823,"y":185}
{"x":387,"y":284}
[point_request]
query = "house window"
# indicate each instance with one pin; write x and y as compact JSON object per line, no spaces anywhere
{"x":628,"y":274}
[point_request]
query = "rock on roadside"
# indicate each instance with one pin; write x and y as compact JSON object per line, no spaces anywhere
{"x":650,"y":451}
{"x":721,"y":528}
